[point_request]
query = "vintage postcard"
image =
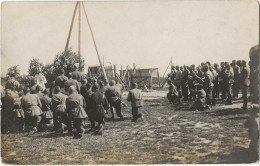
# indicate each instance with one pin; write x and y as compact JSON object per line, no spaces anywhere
{"x":129,"y":82}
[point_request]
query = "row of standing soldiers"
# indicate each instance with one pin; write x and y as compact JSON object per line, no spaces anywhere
{"x":68,"y":102}
{"x":204,"y":83}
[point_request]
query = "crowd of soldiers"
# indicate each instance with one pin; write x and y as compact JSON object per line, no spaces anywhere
{"x":65,"y":105}
{"x":205,"y":83}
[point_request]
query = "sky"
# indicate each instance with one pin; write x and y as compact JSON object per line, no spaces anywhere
{"x":147,"y":33}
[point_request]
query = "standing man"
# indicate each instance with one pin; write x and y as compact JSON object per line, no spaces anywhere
{"x":228,"y":83}
{"x":60,"y":80}
{"x":114,"y":98}
{"x":216,"y":81}
{"x":245,"y":82}
{"x":31,"y":105}
{"x":178,"y":80}
{"x":77,"y":75}
{"x":40,"y":79}
{"x":208,"y":84}
{"x":71,"y":82}
{"x":236,"y":69}
{"x":135,"y":97}
{"x":75,"y":107}
{"x":184,"y":83}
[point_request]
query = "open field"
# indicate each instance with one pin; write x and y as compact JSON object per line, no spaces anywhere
{"x":168,"y":134}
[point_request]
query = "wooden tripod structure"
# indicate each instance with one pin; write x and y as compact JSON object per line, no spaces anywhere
{"x":78,"y":6}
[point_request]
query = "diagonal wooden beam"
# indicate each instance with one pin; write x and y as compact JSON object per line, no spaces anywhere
{"x":102,"y":67}
{"x":71,"y":26}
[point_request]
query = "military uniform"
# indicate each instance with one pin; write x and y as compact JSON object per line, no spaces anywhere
{"x":98,"y":104}
{"x":113,"y":95}
{"x":47,"y":115}
{"x":12,"y":84}
{"x":228,"y":83}
{"x":60,"y":81}
{"x":200,"y":102}
{"x":75,"y":107}
{"x":59,"y":110}
{"x":71,"y":82}
{"x":185,"y":84}
{"x":173,"y":93}
{"x":76,"y":75}
{"x":31,"y":105}
{"x":208,"y":86}
{"x":7,"y":113}
{"x":236,"y":81}
{"x":245,"y":84}
{"x":178,"y":82}
{"x":135,"y":97}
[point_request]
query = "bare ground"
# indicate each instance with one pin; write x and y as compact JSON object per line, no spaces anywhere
{"x":169,"y":134}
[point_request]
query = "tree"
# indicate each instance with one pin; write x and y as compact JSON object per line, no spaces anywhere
{"x":13,"y":71}
{"x":35,"y":67}
{"x":66,"y":60}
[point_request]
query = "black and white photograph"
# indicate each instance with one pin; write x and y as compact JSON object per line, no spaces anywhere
{"x":129,"y":82}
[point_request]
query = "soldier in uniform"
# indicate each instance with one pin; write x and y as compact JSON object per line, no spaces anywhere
{"x":178,"y":80}
{"x":208,"y":84}
{"x":113,"y":95}
{"x":60,"y":80}
{"x":228,"y":83}
{"x":75,"y":107}
{"x":221,"y":76}
{"x":200,"y":102}
{"x":33,"y":88}
{"x":47,"y":116}
{"x":216,"y":82}
{"x":31,"y":105}
{"x":184,"y":83}
{"x":98,"y":104}
{"x":173,"y":95}
{"x":7,"y":114}
{"x":236,"y":69}
{"x":71,"y":82}
{"x":135,"y":97}
{"x":77,"y":75}
{"x":59,"y":109}
{"x":245,"y":82}
{"x":12,"y":84}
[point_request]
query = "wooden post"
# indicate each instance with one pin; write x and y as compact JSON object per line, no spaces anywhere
{"x":115,"y":73}
{"x":92,"y":35}
{"x":151,"y":82}
{"x":159,"y":83}
{"x":121,"y":73}
{"x":71,"y":26}
{"x":79,"y":42}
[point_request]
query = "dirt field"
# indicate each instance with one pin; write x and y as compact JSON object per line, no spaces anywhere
{"x":168,"y":134}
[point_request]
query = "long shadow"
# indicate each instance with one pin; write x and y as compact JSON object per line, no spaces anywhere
{"x":236,"y":118}
{"x":241,"y":155}
{"x":228,"y":111}
{"x":108,"y":119}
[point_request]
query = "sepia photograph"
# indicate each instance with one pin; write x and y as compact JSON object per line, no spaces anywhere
{"x":129,"y":82}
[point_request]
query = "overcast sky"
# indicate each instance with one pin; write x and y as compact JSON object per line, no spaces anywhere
{"x":146,"y":33}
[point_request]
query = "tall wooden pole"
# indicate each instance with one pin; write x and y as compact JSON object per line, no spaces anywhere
{"x":71,"y":26}
{"x":79,"y":43}
{"x":171,"y":62}
{"x":115,"y":73}
{"x":103,"y":69}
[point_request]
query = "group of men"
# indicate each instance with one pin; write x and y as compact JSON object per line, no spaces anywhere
{"x":65,"y":105}
{"x":203,"y":84}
